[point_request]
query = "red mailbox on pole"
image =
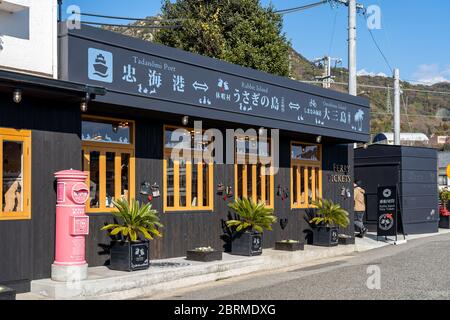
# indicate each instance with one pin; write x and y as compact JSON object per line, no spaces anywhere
{"x":72,"y":226}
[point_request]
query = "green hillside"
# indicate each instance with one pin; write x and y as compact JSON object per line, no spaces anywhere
{"x":428,"y":113}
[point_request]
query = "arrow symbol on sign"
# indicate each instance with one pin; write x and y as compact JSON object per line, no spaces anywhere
{"x":200,"y":86}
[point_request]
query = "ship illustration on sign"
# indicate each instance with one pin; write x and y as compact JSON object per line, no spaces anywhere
{"x":100,"y":66}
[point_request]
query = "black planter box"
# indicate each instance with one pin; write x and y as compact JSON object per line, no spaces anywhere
{"x":346,"y":240}
{"x":129,"y":256}
{"x":289,"y":246}
{"x":247,"y":244}
{"x":203,"y":256}
{"x":325,"y":236}
{"x":7,"y":293}
{"x":444,"y":222}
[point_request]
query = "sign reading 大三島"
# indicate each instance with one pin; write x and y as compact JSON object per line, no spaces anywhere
{"x":387,"y":211}
{"x":140,"y":69}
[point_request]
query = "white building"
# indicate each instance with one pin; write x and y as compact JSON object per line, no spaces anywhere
{"x":405,"y":138}
{"x":28,"y":36}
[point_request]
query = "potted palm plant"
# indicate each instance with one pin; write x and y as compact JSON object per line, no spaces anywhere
{"x":253,"y":218}
{"x":138,"y":224}
{"x":328,"y":217}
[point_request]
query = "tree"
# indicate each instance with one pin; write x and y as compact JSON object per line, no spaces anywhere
{"x":238,"y":31}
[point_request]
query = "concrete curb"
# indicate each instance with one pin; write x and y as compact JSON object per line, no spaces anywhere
{"x":103,"y":283}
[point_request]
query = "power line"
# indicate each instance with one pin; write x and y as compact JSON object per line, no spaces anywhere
{"x":377,"y":45}
{"x":333,"y":33}
{"x":131,"y":26}
{"x":381,"y":87}
{"x":305,"y":7}
{"x":409,"y":115}
{"x":126,"y":18}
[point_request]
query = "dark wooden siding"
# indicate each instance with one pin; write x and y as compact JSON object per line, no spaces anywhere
{"x":56,"y":145}
{"x":186,"y":230}
{"x":27,"y":249}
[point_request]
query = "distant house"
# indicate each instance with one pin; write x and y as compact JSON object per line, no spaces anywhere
{"x":405,"y":138}
{"x":443,"y":163}
{"x":439,"y":140}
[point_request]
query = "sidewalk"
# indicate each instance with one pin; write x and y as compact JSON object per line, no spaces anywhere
{"x":169,"y":274}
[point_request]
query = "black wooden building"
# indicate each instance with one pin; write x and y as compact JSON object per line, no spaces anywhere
{"x":123,"y":142}
{"x":414,"y":171}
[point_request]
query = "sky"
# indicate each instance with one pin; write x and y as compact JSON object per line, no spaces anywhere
{"x":414,"y":35}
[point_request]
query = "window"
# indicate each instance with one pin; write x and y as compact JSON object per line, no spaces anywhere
{"x":15,"y":168}
{"x":188,"y":179}
{"x":108,"y":159}
{"x":254,"y":178}
{"x":443,"y":180}
{"x":306,"y":174}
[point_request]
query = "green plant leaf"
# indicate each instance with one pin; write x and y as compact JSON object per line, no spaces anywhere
{"x":136,"y":220}
{"x":252,"y":216}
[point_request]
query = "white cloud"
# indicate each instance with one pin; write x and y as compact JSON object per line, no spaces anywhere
{"x":364,"y":72}
{"x":429,"y":74}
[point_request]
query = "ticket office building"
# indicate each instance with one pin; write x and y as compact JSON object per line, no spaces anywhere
{"x":124,"y":142}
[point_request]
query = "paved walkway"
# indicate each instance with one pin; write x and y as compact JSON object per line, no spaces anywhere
{"x":171,"y":274}
{"x":415,"y":270}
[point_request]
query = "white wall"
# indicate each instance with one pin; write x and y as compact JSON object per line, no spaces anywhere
{"x":28,"y":38}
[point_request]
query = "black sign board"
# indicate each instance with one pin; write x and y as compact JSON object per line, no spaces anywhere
{"x":146,"y":70}
{"x":387,"y":211}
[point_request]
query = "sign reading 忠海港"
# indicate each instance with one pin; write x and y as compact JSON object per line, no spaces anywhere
{"x":183,"y":78}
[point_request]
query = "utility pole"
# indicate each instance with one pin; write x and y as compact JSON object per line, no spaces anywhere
{"x":352,"y":82}
{"x":397,"y":107}
{"x":325,"y":62}
{"x":353,"y":7}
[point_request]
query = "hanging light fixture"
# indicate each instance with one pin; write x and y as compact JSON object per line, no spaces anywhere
{"x":84,"y":103}
{"x":185,"y":120}
{"x":83,"y":106}
{"x":319,"y":139}
{"x":17,"y":95}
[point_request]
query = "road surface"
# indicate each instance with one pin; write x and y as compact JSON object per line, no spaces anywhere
{"x":419,"y":269}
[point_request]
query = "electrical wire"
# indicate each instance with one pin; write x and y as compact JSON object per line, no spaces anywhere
{"x":127,"y":18}
{"x":381,"y":87}
{"x":305,"y":7}
{"x":377,"y":45}
{"x":131,"y":26}
{"x":333,"y":33}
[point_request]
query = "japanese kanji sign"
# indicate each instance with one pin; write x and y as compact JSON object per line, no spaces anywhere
{"x":125,"y":71}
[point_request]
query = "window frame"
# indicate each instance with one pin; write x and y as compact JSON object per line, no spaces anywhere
{"x":23,"y":136}
{"x":254,"y":175}
{"x":118,"y":149}
{"x":176,"y":185}
{"x":316,"y":166}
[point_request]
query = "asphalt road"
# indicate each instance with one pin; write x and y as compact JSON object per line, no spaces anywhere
{"x":419,"y":269}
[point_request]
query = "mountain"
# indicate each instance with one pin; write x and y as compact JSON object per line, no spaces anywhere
{"x":423,"y":112}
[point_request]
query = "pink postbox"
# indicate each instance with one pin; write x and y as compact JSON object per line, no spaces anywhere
{"x":72,"y":224}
